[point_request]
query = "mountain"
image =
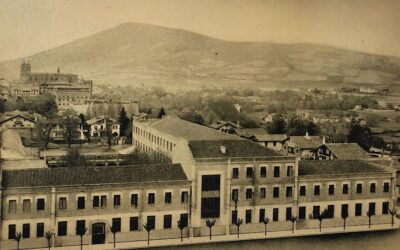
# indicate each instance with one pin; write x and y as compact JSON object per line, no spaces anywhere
{"x":146,"y":54}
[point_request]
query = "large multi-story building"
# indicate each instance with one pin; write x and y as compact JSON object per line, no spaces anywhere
{"x":67,"y":88}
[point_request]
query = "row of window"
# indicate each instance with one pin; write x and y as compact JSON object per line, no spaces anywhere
{"x":80,"y":226}
{"x":345,"y":188}
{"x":98,"y":201}
{"x":262,"y":193}
{"x":155,"y":139}
{"x":263,"y":172}
{"x":316,"y":212}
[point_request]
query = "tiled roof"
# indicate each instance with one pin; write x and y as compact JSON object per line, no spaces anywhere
{"x":17,"y":113}
{"x":249,"y":132}
{"x":270,"y":137}
{"x":316,"y":167}
{"x":189,"y":130}
{"x":233,"y":148}
{"x":72,"y":176}
{"x":98,"y":119}
{"x":306,"y":141}
{"x":347,"y":150}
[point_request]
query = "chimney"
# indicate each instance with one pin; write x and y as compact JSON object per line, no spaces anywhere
{"x":222,"y":149}
{"x":307,"y":136}
{"x":323,"y":140}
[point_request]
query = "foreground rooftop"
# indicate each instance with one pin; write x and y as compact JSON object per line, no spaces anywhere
{"x":309,"y":167}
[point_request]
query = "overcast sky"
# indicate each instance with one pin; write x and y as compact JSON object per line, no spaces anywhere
{"x":31,"y":26}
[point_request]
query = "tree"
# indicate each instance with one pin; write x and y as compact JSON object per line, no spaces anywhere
{"x":44,"y":104}
{"x":124,"y":122}
{"x":114,"y":231}
{"x":81,"y":232}
{"x":191,"y":116}
{"x":265,"y":221}
{"x":293,"y":219}
{"x":369,"y":214}
{"x":181,"y":226}
{"x":345,"y":215}
{"x":74,"y":158}
{"x":48,"y":236}
{"x":148,"y":228}
{"x":238,"y":223}
{"x":82,"y":118}
{"x":393,"y":213}
{"x":321,"y":217}
{"x":277,"y":126}
{"x":17,"y":238}
{"x":210,"y":223}
{"x":364,"y":137}
{"x":43,"y":130}
{"x":70,"y":125}
{"x":161,"y":113}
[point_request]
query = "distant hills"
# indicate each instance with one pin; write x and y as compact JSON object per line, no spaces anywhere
{"x":140,"y":54}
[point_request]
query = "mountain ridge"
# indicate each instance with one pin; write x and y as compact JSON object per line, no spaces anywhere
{"x":134,"y":53}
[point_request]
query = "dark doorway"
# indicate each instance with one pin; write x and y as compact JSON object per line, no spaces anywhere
{"x":98,"y":233}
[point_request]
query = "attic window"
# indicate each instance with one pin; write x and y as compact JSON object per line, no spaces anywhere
{"x":222,"y":149}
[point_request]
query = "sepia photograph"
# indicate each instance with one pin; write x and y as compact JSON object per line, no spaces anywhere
{"x":199,"y":124}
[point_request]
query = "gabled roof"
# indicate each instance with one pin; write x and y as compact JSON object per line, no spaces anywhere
{"x":232,"y":148}
{"x":17,"y":113}
{"x":97,"y":119}
{"x":270,"y":137}
{"x":345,"y":151}
{"x":189,"y":130}
{"x":219,"y":124}
{"x":306,"y":142}
{"x":315,"y":167}
{"x":74,"y":176}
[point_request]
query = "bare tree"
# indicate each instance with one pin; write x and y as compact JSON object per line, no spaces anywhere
{"x":17,"y":238}
{"x":81,"y":232}
{"x":181,"y":226}
{"x":210,"y":223}
{"x":114,"y":231}
{"x":321,"y":217}
{"x":345,"y":215}
{"x":43,"y":130}
{"x":265,"y":221}
{"x":148,"y":229}
{"x":293,"y":219}
{"x":238,"y":223}
{"x":369,"y":214}
{"x":393,"y":213}
{"x":70,"y":124}
{"x":48,"y":236}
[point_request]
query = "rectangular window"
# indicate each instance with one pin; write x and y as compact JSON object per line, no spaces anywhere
{"x":385,"y":207}
{"x":134,"y":200}
{"x":249,"y":172}
{"x":302,"y":213}
{"x":62,"y":228}
{"x":12,"y":231}
{"x":345,"y":210}
{"x":289,"y":171}
{"x":277,"y":171}
{"x":249,"y":193}
{"x":316,"y":190}
{"x":151,"y":222}
{"x":184,"y":218}
{"x":235,"y":173}
{"x":168,"y":198}
{"x":81,"y":202}
{"x":235,"y":194}
{"x":234,"y":216}
{"x":371,"y":208}
{"x":386,"y":187}
{"x":262,"y":193}
{"x":80,"y":227}
{"x":151,"y":198}
{"x":167,"y":221}
{"x":12,"y":206}
{"x":103,"y":201}
{"x":96,"y":201}
{"x":210,"y":207}
{"x":358,"y":210}
{"x":40,"y":204}
{"x":331,"y":189}
{"x":275,"y":214}
{"x":263,"y":172}
{"x":261,"y":216}
{"x":26,"y":231}
{"x":248,"y":216}
{"x":62,"y":203}
{"x":316,"y":212}
{"x":275,"y":192}
{"x":184,"y":197}
{"x":288,"y":213}
{"x":210,"y":183}
{"x":289,"y":191}
{"x":359,"y":188}
{"x":133,"y":223}
{"x":302,"y":190}
{"x":345,"y":189}
{"x":117,"y":200}
{"x":331,"y":211}
{"x":372,"y":187}
{"x":116,"y":224}
{"x":26,"y":205}
{"x":39,"y":230}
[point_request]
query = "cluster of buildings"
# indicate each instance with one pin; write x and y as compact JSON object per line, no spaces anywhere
{"x":212,"y":175}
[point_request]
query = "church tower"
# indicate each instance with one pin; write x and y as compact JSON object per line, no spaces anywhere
{"x":25,"y":71}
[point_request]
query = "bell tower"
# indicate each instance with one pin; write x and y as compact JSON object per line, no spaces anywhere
{"x":25,"y":71}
